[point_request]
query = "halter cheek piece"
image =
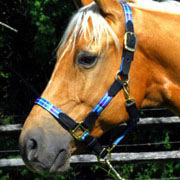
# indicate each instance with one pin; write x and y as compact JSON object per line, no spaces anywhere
{"x":84,"y":127}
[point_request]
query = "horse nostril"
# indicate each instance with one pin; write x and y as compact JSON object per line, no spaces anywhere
{"x":31,"y":149}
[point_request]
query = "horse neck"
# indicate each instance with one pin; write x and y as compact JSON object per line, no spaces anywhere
{"x":159,"y":37}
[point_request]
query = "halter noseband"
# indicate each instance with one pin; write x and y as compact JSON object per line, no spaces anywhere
{"x":73,"y":127}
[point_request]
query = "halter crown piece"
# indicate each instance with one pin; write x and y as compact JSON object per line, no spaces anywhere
{"x":85,"y":126}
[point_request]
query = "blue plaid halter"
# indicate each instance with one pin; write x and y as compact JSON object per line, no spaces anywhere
{"x":88,"y":123}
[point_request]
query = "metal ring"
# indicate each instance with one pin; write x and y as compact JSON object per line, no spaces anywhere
{"x":125,"y":82}
{"x":117,"y":74}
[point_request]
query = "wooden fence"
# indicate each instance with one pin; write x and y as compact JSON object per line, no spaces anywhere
{"x":116,"y":157}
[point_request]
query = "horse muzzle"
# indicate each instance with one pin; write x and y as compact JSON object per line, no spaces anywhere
{"x":44,"y":150}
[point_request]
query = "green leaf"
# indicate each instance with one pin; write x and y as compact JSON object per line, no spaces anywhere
{"x":37,"y":4}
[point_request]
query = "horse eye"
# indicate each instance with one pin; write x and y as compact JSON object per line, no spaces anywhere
{"x":87,"y":60}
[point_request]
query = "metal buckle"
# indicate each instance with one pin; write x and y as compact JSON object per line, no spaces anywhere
{"x":99,"y":157}
{"x":126,"y":88}
{"x":82,"y":129}
{"x":131,"y":49}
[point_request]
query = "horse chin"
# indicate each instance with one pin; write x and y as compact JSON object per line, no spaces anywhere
{"x":57,"y":166}
{"x":53,"y":170}
{"x":62,"y":170}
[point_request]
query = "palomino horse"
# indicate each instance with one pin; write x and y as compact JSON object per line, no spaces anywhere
{"x":87,"y":61}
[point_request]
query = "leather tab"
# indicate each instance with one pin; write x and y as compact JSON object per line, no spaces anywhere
{"x":115,"y":87}
{"x":90,"y":119}
{"x":66,"y":122}
{"x":92,"y":144}
{"x":132,"y":111}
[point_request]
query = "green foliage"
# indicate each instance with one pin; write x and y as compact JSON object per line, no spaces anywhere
{"x":4,"y":177}
{"x":46,"y":17}
{"x":2,"y":73}
{"x":140,"y":171}
{"x":167,"y":138}
{"x":27,"y":57}
{"x":24,"y":173}
{"x":6,"y":120}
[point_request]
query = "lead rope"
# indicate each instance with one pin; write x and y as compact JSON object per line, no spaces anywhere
{"x":111,"y":168}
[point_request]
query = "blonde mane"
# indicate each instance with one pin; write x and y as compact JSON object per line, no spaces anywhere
{"x":79,"y":27}
{"x":168,"y":6}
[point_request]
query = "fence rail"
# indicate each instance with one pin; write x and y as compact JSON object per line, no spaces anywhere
{"x":11,"y":128}
{"x":115,"y":157}
{"x":143,"y":121}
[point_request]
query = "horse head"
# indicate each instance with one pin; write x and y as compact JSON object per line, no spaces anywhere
{"x":88,"y":59}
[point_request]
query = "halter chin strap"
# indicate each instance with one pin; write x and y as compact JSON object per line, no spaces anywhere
{"x":80,"y":131}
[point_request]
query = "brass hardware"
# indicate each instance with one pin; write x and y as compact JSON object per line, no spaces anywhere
{"x":99,"y":156}
{"x":81,"y":128}
{"x":126,"y":91}
{"x":111,"y":168}
{"x":126,"y":88}
{"x":106,"y":161}
{"x":131,"y":49}
{"x":110,"y":149}
{"x":117,"y":75}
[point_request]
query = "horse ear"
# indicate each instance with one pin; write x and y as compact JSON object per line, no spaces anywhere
{"x":109,"y":7}
{"x":86,"y":2}
{"x":80,"y":3}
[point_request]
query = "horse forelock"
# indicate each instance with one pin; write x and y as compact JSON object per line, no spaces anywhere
{"x":79,"y":28}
